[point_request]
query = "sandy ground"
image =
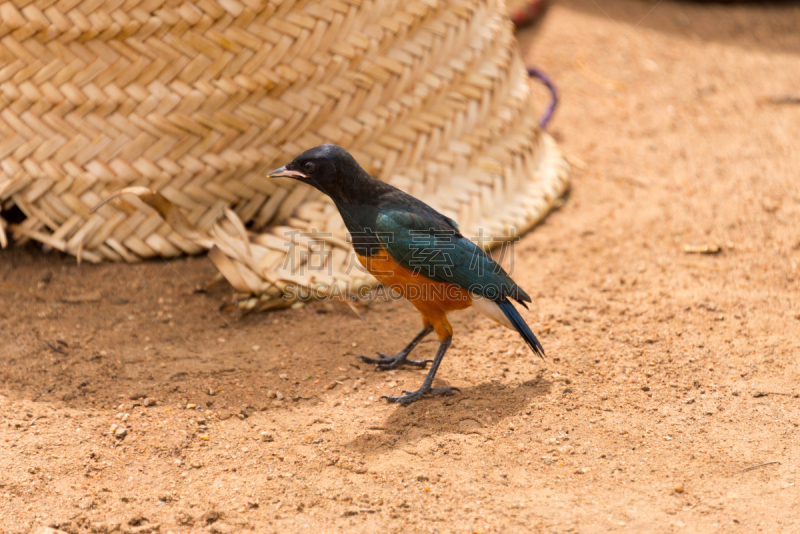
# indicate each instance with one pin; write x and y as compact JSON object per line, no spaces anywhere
{"x":668,"y":374}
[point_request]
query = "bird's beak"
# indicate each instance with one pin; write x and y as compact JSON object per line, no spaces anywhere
{"x":286,"y":173}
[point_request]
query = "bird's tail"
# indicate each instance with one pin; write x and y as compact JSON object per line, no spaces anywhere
{"x":520,"y":326}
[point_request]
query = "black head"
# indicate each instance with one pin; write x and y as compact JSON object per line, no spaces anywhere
{"x":329,"y":168}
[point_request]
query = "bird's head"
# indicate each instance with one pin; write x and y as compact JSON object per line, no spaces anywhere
{"x":329,"y":168}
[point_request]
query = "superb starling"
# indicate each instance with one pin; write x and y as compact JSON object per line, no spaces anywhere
{"x":412,"y":248}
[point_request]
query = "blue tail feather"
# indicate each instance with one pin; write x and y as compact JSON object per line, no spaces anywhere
{"x":519,"y":324}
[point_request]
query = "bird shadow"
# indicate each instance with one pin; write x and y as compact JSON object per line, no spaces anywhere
{"x":472,"y":412}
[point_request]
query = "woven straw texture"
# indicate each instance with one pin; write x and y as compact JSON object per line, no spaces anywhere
{"x":198,"y":101}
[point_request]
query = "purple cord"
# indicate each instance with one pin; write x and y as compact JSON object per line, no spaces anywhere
{"x":548,"y":114}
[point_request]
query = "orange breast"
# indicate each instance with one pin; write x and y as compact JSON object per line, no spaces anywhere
{"x":433,"y":299}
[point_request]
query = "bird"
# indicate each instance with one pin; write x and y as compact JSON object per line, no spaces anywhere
{"x":413,"y":249}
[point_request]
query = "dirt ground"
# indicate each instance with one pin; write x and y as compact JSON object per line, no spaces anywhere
{"x":669,"y":378}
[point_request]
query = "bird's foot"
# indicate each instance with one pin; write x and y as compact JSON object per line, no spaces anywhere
{"x":414,"y":396}
{"x":387,"y":363}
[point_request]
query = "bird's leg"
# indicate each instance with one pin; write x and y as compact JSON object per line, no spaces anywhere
{"x":413,"y":396}
{"x":386,"y":363}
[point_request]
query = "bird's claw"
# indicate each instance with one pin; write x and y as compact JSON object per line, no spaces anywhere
{"x":413,"y":396}
{"x":387,"y":363}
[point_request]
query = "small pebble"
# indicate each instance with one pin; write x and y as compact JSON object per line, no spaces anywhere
{"x":204,"y":437}
{"x":284,"y":377}
{"x":220,"y":527}
{"x":678,"y":488}
{"x":121,"y":432}
{"x":279,"y":395}
{"x":191,"y":406}
{"x":148,"y":402}
{"x":266,"y":436}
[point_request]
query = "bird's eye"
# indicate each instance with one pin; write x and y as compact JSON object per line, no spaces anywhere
{"x":309,"y":166}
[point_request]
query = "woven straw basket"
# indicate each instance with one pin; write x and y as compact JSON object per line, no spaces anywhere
{"x":191,"y":104}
